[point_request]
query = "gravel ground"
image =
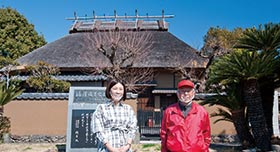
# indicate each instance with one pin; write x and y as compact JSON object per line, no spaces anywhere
{"x":49,"y":147}
{"x":56,"y":147}
{"x":28,"y":147}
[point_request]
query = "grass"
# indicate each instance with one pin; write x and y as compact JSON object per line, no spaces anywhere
{"x":27,"y":148}
{"x":148,"y":145}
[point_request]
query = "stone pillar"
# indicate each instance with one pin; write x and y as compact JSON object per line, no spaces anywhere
{"x":6,"y":138}
{"x":275,"y":119}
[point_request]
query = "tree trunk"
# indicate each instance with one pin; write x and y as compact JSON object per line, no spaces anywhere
{"x":252,"y":98}
{"x":242,"y":129}
{"x":267,"y":94}
{"x":1,"y":111}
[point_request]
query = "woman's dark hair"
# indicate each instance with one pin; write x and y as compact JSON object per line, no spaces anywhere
{"x":110,"y":85}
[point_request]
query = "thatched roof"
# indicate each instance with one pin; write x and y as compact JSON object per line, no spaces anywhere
{"x":73,"y":51}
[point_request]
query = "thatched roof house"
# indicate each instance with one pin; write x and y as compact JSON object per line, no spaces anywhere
{"x":75,"y":51}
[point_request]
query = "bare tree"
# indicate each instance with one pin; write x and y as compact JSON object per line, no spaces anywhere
{"x":122,"y":50}
{"x":192,"y":72}
{"x":135,"y":78}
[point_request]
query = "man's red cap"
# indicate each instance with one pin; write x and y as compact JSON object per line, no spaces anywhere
{"x":185,"y":83}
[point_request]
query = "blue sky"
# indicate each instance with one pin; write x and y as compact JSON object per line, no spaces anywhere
{"x":192,"y":18}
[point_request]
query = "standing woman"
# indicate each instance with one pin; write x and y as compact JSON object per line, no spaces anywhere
{"x":114,"y":122}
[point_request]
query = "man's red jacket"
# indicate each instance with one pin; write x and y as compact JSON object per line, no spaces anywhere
{"x":185,"y":134}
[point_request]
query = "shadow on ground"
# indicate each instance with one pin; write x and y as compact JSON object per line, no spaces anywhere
{"x":226,"y":147}
{"x":61,"y":147}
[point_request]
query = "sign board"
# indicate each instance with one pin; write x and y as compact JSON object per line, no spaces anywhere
{"x":82,"y":103}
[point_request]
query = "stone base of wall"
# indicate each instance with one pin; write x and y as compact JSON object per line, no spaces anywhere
{"x":36,"y":139}
{"x":62,"y":139}
{"x":232,"y":139}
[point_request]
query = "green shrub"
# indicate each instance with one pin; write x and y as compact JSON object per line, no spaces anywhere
{"x":42,"y":80}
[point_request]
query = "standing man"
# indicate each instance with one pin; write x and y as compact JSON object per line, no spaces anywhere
{"x":185,"y":125}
